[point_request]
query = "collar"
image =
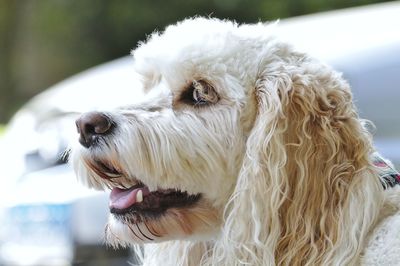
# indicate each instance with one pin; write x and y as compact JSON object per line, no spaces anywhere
{"x":387,"y":173}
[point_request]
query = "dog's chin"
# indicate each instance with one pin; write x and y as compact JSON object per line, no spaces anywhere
{"x":199,"y":221}
{"x":138,"y":215}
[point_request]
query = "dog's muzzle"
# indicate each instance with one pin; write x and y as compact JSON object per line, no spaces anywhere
{"x":91,"y":126}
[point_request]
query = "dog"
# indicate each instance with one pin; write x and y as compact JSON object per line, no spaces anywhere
{"x":245,"y":151}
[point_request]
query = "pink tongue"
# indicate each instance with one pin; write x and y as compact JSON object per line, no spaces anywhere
{"x":124,"y":198}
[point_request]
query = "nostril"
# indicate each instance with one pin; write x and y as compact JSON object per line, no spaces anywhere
{"x":91,"y":125}
{"x":102,"y":126}
{"x":89,"y":129}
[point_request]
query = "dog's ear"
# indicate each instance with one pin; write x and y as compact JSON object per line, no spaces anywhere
{"x":304,"y":192}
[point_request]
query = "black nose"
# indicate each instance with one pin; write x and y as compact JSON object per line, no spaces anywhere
{"x":92,"y":125}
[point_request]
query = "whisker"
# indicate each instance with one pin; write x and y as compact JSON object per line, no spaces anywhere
{"x":150,"y":231}
{"x":116,"y":240}
{"x":64,"y":156}
{"x":143,"y":233}
{"x":133,"y":231}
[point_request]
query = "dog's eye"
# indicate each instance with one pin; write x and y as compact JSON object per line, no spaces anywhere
{"x":200,"y":93}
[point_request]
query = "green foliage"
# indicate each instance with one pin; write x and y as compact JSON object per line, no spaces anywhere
{"x":43,"y":42}
{"x":2,"y":129}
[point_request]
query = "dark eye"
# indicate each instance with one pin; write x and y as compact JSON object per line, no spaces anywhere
{"x":200,"y":93}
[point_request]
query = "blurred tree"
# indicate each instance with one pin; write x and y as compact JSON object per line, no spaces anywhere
{"x":43,"y":42}
{"x":8,"y":24}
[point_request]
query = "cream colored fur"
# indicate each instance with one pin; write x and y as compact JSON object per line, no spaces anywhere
{"x":282,"y":160}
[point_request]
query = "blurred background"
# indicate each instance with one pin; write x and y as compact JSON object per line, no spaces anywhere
{"x":43,"y":42}
{"x":49,"y":219}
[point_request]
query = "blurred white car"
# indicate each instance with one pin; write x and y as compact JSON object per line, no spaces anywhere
{"x":47,"y":218}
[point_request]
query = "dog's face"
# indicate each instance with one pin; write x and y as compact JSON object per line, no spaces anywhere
{"x":172,"y":161}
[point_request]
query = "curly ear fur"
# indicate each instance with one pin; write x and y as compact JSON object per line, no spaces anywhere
{"x":307,"y":192}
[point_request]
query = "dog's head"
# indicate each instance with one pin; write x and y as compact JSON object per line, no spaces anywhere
{"x":239,"y":136}
{"x":172,"y":162}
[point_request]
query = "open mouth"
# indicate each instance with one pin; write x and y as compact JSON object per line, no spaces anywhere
{"x":136,"y":202}
{"x":144,"y":214}
{"x":141,"y":204}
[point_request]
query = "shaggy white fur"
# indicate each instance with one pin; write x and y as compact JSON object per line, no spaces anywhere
{"x":246,"y":152}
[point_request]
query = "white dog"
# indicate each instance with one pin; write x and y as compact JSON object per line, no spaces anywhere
{"x":246,"y":152}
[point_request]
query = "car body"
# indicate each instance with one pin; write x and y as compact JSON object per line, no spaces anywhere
{"x":47,"y":214}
